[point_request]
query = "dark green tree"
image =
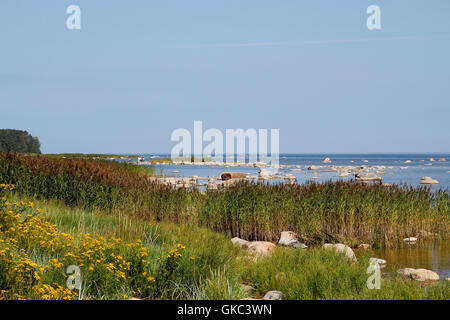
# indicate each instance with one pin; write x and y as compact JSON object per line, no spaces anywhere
{"x":18,"y":141}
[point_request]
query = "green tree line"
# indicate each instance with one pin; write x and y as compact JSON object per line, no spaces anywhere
{"x":18,"y":141}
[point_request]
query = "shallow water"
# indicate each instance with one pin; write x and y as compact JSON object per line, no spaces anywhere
{"x":419,"y":167}
{"x":433,"y":256}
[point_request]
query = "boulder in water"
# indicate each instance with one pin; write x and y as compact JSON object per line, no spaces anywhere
{"x":428,"y":180}
{"x":232,"y":175}
{"x":367,"y":177}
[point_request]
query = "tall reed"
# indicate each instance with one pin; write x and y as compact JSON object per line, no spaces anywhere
{"x":334,"y":211}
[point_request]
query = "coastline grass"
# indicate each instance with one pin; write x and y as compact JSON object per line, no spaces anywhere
{"x":209,"y":267}
{"x":332,"y":211}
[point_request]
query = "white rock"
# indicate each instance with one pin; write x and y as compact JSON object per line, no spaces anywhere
{"x":367,"y":177}
{"x":327,"y":160}
{"x":342,"y":248}
{"x":410,"y":240}
{"x":419,"y":274}
{"x":288,"y":238}
{"x":428,"y":180}
{"x":241,"y":242}
{"x":263,"y":248}
{"x":273,"y":295}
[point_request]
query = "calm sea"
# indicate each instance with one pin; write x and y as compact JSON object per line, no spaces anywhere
{"x":419,"y":167}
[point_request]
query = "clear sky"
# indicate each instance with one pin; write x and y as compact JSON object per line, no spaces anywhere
{"x":137,"y":70}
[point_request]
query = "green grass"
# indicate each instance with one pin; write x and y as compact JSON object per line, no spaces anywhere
{"x":212,"y":268}
{"x":325,"y":275}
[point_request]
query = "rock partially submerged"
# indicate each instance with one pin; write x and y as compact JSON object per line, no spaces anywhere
{"x":367,"y":177}
{"x":419,"y":274}
{"x":428,"y":180}
{"x":410,"y":240}
{"x":327,"y":160}
{"x":341,"y":248}
{"x":232,"y":175}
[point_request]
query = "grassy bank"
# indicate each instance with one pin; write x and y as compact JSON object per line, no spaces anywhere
{"x":122,"y":256}
{"x":333,"y":211}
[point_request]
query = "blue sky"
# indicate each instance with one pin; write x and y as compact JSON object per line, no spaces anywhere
{"x":137,"y":70}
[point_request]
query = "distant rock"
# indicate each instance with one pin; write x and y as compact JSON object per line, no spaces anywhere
{"x":428,"y":180}
{"x":289,"y":176}
{"x":259,"y":165}
{"x":326,"y":160}
{"x":407,"y":161}
{"x":410,"y":240}
{"x":403,"y":168}
{"x":367,"y":177}
{"x":431,"y":159}
{"x":341,"y":248}
{"x":273,"y":295}
{"x":442,"y":160}
{"x":313,"y":167}
{"x":419,"y":274}
{"x":232,"y":175}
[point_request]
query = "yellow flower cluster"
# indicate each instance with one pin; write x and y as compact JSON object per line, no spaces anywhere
{"x":23,"y":231}
{"x":7,"y":187}
{"x":177,"y":252}
{"x":56,"y":292}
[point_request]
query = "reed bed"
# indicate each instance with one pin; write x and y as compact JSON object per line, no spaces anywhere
{"x":331,"y":211}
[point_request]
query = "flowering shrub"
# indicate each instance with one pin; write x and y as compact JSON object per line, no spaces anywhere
{"x":34,"y":256}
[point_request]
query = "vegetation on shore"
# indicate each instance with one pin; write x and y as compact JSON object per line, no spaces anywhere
{"x":18,"y":141}
{"x":91,"y":156}
{"x":122,"y":256}
{"x":334,"y":211}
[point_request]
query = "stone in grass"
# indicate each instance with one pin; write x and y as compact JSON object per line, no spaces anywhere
{"x":289,"y":239}
{"x":263,"y":248}
{"x":241,"y":242}
{"x":364,"y":246}
{"x":419,"y":274}
{"x":341,"y":248}
{"x":273,"y":295}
